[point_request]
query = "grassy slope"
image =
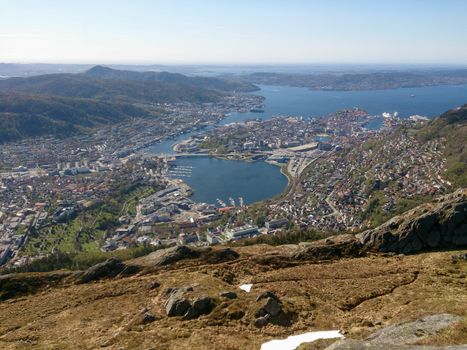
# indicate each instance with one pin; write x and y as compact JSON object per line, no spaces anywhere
{"x":385,"y":290}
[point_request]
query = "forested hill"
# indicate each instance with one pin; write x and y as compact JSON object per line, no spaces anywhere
{"x":23,"y":115}
{"x":226,"y":85}
{"x":62,"y":104}
{"x":110,"y":84}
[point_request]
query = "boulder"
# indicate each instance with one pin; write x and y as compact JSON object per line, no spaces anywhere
{"x":176,"y":306}
{"x":191,"y":313}
{"x":228,"y":295}
{"x":203,"y":305}
{"x":262,"y":321}
{"x":271,"y":307}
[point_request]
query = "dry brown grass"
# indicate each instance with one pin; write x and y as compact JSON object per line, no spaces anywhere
{"x":357,"y":296}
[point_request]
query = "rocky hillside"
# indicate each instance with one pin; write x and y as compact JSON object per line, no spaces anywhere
{"x":451,"y":126}
{"x":440,"y":224}
{"x":186,"y":297}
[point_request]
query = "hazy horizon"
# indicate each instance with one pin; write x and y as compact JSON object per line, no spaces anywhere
{"x":258,"y":32}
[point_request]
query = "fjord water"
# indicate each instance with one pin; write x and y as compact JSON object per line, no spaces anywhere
{"x":213,"y":178}
{"x":294,"y":101}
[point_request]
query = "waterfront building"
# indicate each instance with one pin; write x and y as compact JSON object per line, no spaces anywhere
{"x":242,"y":232}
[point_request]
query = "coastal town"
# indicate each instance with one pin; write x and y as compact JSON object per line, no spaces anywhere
{"x":55,"y":193}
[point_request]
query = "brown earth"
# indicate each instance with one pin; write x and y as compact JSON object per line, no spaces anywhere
{"x":356,"y":295}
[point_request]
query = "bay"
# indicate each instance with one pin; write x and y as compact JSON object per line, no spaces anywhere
{"x":215,"y":178}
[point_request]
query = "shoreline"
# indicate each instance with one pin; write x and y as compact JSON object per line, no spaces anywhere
{"x":282,"y":170}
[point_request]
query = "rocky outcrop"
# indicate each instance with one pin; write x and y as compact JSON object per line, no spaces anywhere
{"x":201,"y":306}
{"x":206,"y":255}
{"x":178,"y":305}
{"x":219,"y":256}
{"x":270,"y":306}
{"x":441,"y":224}
{"x":362,"y":345}
{"x":330,"y":248}
{"x":171,"y":255}
{"x":402,"y":336}
{"x":110,"y":268}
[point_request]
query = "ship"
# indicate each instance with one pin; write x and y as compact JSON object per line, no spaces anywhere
{"x":257,"y":110}
{"x":232,"y":202}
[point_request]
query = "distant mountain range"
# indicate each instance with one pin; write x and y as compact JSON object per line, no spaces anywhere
{"x":111,"y":84}
{"x":362,"y":81}
{"x":62,"y":104}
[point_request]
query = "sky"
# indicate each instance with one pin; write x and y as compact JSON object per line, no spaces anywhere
{"x":234,"y":31}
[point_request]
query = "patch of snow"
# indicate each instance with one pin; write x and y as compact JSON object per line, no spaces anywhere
{"x":292,"y":342}
{"x":246,"y":287}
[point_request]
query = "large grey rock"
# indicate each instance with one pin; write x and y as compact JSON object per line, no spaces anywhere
{"x":272,"y":307}
{"x":441,"y":224}
{"x":402,"y":336}
{"x":191,"y":313}
{"x":407,"y":333}
{"x":364,"y":345}
{"x":203,"y":305}
{"x":176,"y":306}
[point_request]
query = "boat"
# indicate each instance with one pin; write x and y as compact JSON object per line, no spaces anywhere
{"x":232,"y":201}
{"x":257,"y":110}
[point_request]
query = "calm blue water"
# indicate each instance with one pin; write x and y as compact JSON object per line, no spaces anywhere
{"x":427,"y":101}
{"x":285,"y":100}
{"x":213,"y":178}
